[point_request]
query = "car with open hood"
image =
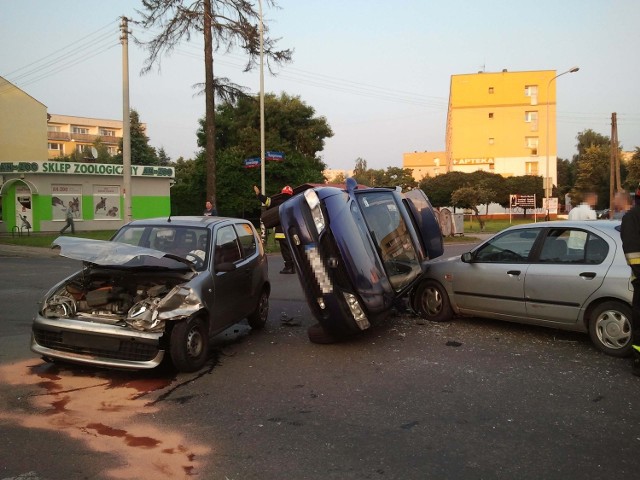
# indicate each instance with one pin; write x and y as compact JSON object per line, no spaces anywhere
{"x":160,"y":287}
{"x":357,"y":252}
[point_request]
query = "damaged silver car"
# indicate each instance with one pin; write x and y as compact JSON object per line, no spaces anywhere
{"x":159,"y":287}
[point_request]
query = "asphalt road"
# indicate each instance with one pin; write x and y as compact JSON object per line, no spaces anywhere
{"x":470,"y":399}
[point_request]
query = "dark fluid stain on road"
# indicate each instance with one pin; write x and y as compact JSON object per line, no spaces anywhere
{"x":68,"y":399}
{"x":130,"y":440}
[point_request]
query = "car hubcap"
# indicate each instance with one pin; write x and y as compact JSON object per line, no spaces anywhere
{"x":613,"y":329}
{"x":194,"y":343}
{"x":432,"y":301}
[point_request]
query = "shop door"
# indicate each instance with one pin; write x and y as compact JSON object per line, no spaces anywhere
{"x":24,"y":214}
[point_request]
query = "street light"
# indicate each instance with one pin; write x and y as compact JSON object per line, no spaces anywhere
{"x":547,"y":182}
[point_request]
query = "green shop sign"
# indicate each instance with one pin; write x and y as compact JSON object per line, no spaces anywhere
{"x":78,"y":168}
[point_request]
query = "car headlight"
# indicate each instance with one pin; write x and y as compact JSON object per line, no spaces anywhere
{"x":313,"y":201}
{"x":356,"y":310}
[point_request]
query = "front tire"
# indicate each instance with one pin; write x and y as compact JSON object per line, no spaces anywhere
{"x":189,"y":345}
{"x":258,"y":318}
{"x":318,"y":334}
{"x":610,"y":328}
{"x":431,"y":302}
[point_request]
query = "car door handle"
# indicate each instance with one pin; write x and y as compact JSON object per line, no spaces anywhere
{"x":588,"y":275}
{"x":513,"y":272}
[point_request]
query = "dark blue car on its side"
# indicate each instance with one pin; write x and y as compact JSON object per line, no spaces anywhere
{"x":357,"y":251}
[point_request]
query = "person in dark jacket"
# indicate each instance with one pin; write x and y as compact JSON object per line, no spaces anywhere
{"x":210,"y":210}
{"x":270,"y":203}
{"x":630,"y":235}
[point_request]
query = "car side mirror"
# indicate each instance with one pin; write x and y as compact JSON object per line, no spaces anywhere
{"x":466,"y":257}
{"x":225,"y":267}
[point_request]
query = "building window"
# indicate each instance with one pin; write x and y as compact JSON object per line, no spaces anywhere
{"x":491,"y":140}
{"x":83,"y":148}
{"x":532,"y":144}
{"x":531,"y":168}
{"x":53,"y":128}
{"x":56,"y":146}
{"x":532,"y":118}
{"x":112,"y":150}
{"x":490,"y":90}
{"x":532,"y":92}
{"x":107,"y":133}
{"x":80,"y":130}
{"x":490,"y":114}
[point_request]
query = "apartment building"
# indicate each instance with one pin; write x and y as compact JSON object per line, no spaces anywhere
{"x":502,"y":122}
{"x":68,"y":134}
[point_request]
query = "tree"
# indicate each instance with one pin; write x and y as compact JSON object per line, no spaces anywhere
{"x":439,"y":188}
{"x":633,"y":169}
{"x":471,"y":197}
{"x":593,"y":175}
{"x":163,"y":159}
{"x":291,"y":127}
{"x":224,"y":24}
{"x":141,"y":152}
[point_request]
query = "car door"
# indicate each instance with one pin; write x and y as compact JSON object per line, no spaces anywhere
{"x":563,"y":277}
{"x":229,"y":281}
{"x":492,"y":282}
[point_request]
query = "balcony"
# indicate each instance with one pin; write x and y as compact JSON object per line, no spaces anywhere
{"x":81,"y":137}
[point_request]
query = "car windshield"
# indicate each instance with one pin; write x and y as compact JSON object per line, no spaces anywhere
{"x":191,"y":243}
{"x":389,"y":232}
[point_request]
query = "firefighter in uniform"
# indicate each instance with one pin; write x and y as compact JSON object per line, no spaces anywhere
{"x":270,"y":203}
{"x":630,"y":235}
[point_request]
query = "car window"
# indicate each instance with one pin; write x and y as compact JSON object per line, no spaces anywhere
{"x":513,"y":246}
{"x":248,"y":241}
{"x":227,"y":249}
{"x":573,"y":245}
{"x":391,"y":237}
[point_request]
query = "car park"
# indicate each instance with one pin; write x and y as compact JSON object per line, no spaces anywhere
{"x":159,"y":289}
{"x":569,"y":275}
{"x":358,"y":252}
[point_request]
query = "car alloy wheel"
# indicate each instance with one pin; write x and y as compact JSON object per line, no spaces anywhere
{"x":610,"y":328}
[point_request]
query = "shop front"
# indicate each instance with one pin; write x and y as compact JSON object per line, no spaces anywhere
{"x":35,"y":196}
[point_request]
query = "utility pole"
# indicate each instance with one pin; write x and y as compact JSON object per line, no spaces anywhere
{"x":614,"y":175}
{"x":126,"y":121}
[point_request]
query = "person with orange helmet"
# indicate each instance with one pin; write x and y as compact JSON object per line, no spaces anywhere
{"x":271,"y":204}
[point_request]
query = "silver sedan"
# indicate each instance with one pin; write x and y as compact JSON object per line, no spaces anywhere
{"x":569,"y":275}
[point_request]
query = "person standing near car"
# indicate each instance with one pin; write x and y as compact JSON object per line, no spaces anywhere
{"x":210,"y":210}
{"x":630,"y":235}
{"x":585,"y":210}
{"x":270,"y":203}
{"x":69,"y":218}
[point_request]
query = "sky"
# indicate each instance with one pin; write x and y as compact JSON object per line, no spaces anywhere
{"x":379,"y":72}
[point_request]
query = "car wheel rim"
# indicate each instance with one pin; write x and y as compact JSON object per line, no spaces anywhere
{"x":432,"y":301}
{"x":613,"y":329}
{"x":194,"y":343}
